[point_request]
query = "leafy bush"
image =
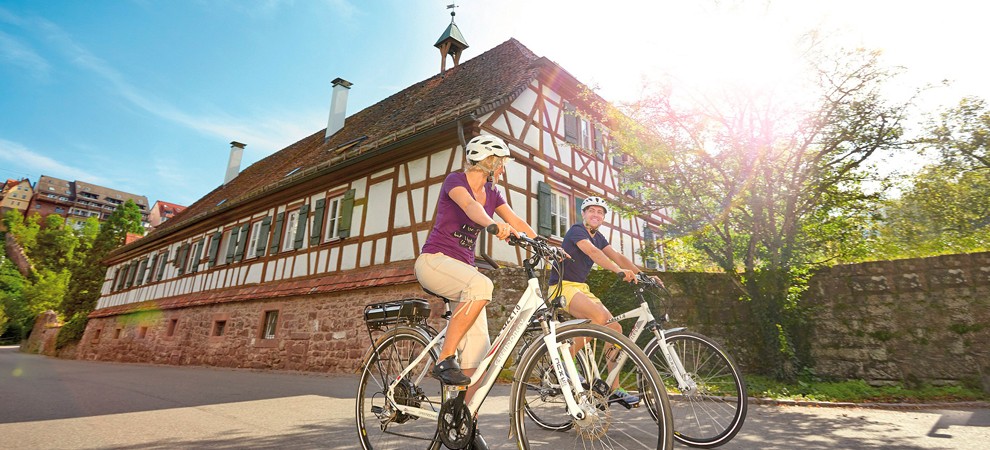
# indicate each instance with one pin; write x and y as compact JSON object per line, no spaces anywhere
{"x":71,"y":331}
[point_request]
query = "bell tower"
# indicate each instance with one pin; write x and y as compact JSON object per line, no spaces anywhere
{"x":451,"y":42}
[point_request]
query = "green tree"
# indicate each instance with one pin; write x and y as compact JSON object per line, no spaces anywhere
{"x":961,"y":135}
{"x":12,"y":285}
{"x":56,"y":245}
{"x":25,"y":231}
{"x":945,"y":210}
{"x":87,"y":277}
{"x":46,"y":293}
{"x":765,"y":183}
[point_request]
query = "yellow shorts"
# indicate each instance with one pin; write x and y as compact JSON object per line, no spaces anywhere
{"x":570,"y":288}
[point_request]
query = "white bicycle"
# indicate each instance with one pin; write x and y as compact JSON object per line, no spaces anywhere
{"x":705,"y":387}
{"x":399,"y":405}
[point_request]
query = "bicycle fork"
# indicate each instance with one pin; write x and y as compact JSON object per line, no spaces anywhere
{"x":685,"y":382}
{"x":565,"y":369}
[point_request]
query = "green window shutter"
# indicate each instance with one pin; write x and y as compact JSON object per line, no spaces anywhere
{"x":301,"y":226}
{"x":142,"y":268}
{"x":131,"y":273}
{"x":266,"y":226}
{"x":543,"y":202}
{"x":572,"y":132}
{"x":161,"y":266}
{"x":180,"y":258}
{"x":196,"y":255}
{"x":314,"y":234}
{"x":578,"y":201}
{"x":232,"y":244}
{"x":277,"y":235}
{"x":346,"y":211}
{"x":119,"y":278}
{"x":214,"y":248}
{"x":598,"y":138}
{"x":242,"y":242}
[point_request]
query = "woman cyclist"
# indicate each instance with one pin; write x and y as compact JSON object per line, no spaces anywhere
{"x":587,"y":247}
{"x":446,"y":265}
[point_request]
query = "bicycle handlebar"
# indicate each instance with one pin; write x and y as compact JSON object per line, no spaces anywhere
{"x":538,"y":245}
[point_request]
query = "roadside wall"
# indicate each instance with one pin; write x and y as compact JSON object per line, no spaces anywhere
{"x":893,"y":321}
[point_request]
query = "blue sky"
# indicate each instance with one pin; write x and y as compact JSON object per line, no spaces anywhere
{"x":145,"y":95}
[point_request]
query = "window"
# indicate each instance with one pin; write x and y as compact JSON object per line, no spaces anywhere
{"x":290,"y":230}
{"x":142,"y":332}
{"x":560,"y":219}
{"x":96,"y":335}
{"x":172,"y":323}
{"x":218,"y":327}
{"x":252,"y":247}
{"x":271,"y":321}
{"x":116,"y":333}
{"x":333,"y":218}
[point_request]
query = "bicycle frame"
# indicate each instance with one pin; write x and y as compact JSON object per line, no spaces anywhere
{"x":644,"y":319}
{"x":502,"y":347}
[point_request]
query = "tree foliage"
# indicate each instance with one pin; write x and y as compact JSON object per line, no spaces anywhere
{"x":56,"y":245}
{"x":764,"y":186}
{"x":88,"y":275}
{"x":961,"y":135}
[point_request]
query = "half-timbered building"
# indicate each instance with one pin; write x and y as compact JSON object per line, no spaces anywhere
{"x":273,"y":268}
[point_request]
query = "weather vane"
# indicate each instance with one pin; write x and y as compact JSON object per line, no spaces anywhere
{"x":451,"y":7}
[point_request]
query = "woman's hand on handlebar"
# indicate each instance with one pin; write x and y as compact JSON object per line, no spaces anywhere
{"x":502,"y":231}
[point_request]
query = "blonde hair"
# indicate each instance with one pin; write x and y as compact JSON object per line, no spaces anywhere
{"x":489,"y":164}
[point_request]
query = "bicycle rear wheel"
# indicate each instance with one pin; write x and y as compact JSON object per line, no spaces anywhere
{"x":711,"y":414}
{"x":610,"y":421}
{"x":380,"y":425}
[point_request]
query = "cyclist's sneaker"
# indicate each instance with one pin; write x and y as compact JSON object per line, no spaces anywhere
{"x":479,"y":442}
{"x":449,"y":372}
{"x":623,"y":398}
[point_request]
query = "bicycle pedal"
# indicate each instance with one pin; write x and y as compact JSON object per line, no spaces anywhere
{"x":625,"y":404}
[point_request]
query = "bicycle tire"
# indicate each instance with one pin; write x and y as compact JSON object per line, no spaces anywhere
{"x":713,"y":414}
{"x":607,"y":424}
{"x":388,"y":428}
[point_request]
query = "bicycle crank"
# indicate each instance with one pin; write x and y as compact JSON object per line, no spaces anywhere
{"x":456,"y":424}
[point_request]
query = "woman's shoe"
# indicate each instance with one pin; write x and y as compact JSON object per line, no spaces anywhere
{"x":449,"y":372}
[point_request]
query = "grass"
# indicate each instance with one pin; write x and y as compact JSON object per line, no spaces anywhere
{"x":858,"y":391}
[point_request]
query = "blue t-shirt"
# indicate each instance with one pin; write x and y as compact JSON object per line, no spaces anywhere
{"x":579,"y":266}
{"x":454,"y":233}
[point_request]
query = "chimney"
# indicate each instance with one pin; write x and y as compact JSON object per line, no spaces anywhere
{"x":234,"y":163}
{"x":338,"y":106}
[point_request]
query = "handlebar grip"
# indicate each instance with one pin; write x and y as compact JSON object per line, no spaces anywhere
{"x":493,"y":228}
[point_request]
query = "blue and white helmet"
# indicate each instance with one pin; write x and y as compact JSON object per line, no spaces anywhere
{"x":594,"y":201}
{"x":483,"y":146}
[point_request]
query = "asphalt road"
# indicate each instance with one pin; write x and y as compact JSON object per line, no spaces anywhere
{"x":48,"y":403}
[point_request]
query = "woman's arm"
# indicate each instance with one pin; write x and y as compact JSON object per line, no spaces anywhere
{"x":477,"y":213}
{"x":510,"y":217}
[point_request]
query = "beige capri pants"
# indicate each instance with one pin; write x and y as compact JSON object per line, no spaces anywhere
{"x":462,"y":284}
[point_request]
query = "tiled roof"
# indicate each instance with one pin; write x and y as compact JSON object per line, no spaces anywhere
{"x":388,"y":275}
{"x":474,"y":86}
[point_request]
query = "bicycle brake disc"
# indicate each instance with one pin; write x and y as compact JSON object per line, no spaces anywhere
{"x":456,"y":424}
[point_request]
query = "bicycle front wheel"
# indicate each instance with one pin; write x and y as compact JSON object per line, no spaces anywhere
{"x":711,"y":412}
{"x":380,"y":424}
{"x":614,"y":415}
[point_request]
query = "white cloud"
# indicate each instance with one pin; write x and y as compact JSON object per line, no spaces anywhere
{"x":16,"y":53}
{"x":265,"y":134}
{"x":27,"y":160}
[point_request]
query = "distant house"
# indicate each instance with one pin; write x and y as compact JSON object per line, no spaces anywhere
{"x":161,"y":212}
{"x":273,"y":268}
{"x":78,"y":200}
{"x":15,"y":194}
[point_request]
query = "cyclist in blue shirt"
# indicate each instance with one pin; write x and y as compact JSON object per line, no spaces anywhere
{"x":587,"y":247}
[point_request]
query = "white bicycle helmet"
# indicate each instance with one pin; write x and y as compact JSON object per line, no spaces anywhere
{"x":484,"y":146}
{"x":594,"y":201}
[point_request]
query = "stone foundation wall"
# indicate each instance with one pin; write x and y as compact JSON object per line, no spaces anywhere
{"x":43,"y":334}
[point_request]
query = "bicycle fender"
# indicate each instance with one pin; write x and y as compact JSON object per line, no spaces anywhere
{"x":673,"y":330}
{"x":573,"y":322}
